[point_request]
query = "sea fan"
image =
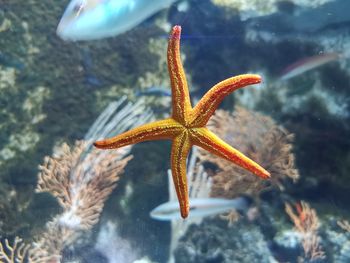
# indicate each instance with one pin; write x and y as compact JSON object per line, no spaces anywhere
{"x":258,"y":137}
{"x":81,"y":179}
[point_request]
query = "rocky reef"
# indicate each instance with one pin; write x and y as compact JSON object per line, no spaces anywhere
{"x":213,"y":241}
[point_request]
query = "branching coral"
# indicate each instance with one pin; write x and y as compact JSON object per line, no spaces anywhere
{"x":306,"y":223}
{"x":81,"y":185}
{"x":16,"y":253}
{"x":81,"y":179}
{"x":81,"y":182}
{"x":258,"y":137}
{"x":345,"y":225}
{"x":20,"y":252}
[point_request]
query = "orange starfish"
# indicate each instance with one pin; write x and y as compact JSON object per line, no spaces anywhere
{"x":186,"y":127}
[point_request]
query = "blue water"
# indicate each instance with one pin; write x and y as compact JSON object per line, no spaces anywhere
{"x":53,"y":91}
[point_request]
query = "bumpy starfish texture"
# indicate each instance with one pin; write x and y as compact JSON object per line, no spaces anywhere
{"x":186,"y":127}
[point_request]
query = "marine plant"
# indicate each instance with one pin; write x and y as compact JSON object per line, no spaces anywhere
{"x":81,"y":186}
{"x":260,"y":138}
{"x":18,"y":252}
{"x":345,"y":225}
{"x":81,"y":179}
{"x":306,"y":223}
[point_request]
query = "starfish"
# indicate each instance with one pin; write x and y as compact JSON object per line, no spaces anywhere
{"x":187,"y":126}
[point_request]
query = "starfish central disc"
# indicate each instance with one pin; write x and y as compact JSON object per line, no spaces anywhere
{"x":187,"y":125}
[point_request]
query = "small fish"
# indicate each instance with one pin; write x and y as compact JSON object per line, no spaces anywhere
{"x":95,"y":19}
{"x":306,"y":64}
{"x":87,"y":64}
{"x":199,"y":207}
{"x":92,"y":80}
{"x":154,"y":91}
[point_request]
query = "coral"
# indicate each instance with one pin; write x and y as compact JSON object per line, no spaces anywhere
{"x":345,"y":225}
{"x":7,"y":78}
{"x":249,"y":9}
{"x":23,"y":141}
{"x":81,"y":185}
{"x":45,"y":95}
{"x":20,"y":252}
{"x":118,"y":117}
{"x":306,"y":223}
{"x":16,"y":140}
{"x":34,"y":103}
{"x":258,"y":137}
{"x":81,"y":179}
{"x":231,"y":217}
{"x":336,"y":239}
{"x":288,"y":241}
{"x":81,"y":182}
{"x":308,"y":106}
{"x":16,"y":253}
{"x":18,"y":124}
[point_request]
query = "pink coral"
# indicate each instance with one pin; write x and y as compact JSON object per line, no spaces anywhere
{"x":306,"y":223}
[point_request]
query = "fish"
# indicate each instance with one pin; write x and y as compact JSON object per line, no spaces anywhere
{"x":96,"y":19}
{"x":199,"y":207}
{"x":154,"y":91}
{"x":87,"y":64}
{"x":303,"y":65}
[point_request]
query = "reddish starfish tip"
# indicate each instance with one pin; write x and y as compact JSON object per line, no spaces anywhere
{"x":254,"y":78}
{"x":258,"y":78}
{"x":265,"y":175}
{"x":185,"y":212}
{"x":176,"y":32}
{"x":260,"y":171}
{"x":102,"y":144}
{"x":177,"y":28}
{"x":97,"y":144}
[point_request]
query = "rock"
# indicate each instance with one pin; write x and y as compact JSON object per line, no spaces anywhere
{"x":213,"y":241}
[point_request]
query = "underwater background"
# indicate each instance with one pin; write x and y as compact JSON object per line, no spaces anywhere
{"x":61,"y":200}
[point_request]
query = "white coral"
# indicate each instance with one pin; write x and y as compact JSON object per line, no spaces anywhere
{"x":254,"y":8}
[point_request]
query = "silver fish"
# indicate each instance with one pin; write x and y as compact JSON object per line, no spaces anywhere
{"x":154,"y":91}
{"x":199,"y":207}
{"x":95,"y":19}
{"x":309,"y":63}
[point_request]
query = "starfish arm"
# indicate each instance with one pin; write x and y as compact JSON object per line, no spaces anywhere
{"x":179,"y":151}
{"x":211,"y":100}
{"x":181,"y":104}
{"x":209,"y":141}
{"x":164,"y":129}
